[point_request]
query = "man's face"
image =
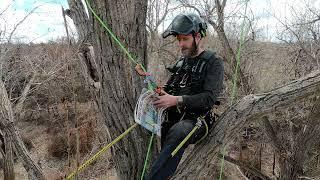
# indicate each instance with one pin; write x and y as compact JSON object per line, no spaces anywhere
{"x":186,"y":44}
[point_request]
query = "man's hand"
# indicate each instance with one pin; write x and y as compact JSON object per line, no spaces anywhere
{"x":165,"y":100}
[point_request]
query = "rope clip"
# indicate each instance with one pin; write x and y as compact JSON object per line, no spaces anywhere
{"x":199,"y":121}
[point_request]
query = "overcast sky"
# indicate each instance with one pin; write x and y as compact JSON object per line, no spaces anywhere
{"x":46,"y":23}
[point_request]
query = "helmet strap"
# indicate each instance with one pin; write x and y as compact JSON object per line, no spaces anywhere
{"x":203,"y":34}
{"x":194,"y":44}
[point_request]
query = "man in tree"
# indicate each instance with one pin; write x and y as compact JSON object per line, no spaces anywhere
{"x":190,"y":93}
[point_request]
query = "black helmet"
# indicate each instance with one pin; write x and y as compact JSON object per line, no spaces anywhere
{"x":186,"y":24}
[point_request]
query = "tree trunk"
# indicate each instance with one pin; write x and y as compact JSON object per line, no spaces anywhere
{"x":120,"y":86}
{"x":252,"y":107}
{"x":289,"y":170}
{"x":8,"y":157}
{"x":80,"y":19}
{"x":12,"y":136}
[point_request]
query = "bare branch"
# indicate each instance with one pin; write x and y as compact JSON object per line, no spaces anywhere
{"x":243,"y":165}
{"x":162,"y":18}
{"x":272,"y":135}
{"x":7,"y":125}
{"x":20,"y":22}
{"x":224,"y":2}
{"x":5,"y":9}
{"x":298,"y":38}
{"x":220,"y":13}
{"x":185,"y":3}
{"x":25,"y":92}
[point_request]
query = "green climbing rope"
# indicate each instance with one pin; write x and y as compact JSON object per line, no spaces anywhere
{"x":114,"y":37}
{"x":147,"y":157}
{"x":238,"y":56}
{"x":235,"y":78}
{"x":151,"y":85}
{"x":99,"y":153}
{"x":222,"y":162}
{"x":174,"y":152}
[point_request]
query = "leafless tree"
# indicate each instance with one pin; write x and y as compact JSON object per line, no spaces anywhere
{"x":120,"y":86}
{"x":302,"y":36}
{"x":12,"y":140}
{"x":294,"y":131}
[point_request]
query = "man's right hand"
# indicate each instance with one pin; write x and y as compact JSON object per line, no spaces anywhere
{"x":165,"y":101}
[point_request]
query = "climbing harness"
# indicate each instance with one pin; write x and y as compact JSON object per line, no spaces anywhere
{"x":189,"y":78}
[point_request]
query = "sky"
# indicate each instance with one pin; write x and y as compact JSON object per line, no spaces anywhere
{"x":46,"y":23}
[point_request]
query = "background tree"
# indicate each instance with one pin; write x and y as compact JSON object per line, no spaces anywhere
{"x":11,"y":91}
{"x":159,"y":50}
{"x":302,"y":35}
{"x":214,"y":12}
{"x":293,"y":133}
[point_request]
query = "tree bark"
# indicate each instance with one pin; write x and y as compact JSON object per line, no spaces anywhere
{"x":8,"y":157}
{"x":80,"y":19}
{"x":251,"y":107}
{"x":12,"y":137}
{"x":243,"y":165}
{"x":120,"y":86}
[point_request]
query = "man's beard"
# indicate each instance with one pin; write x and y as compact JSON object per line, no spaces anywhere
{"x":190,"y":52}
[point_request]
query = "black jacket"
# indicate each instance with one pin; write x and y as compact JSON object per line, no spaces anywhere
{"x":201,"y":95}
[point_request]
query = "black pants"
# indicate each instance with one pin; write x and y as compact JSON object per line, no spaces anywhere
{"x":165,"y":165}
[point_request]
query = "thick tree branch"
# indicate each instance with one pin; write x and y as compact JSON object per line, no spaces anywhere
{"x":25,"y":92}
{"x":251,"y":107}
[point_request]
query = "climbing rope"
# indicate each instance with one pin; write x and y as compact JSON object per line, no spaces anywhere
{"x":147,"y":115}
{"x":144,"y":102}
{"x":113,"y":36}
{"x":99,"y":153}
{"x":236,"y":73}
{"x":235,"y":76}
{"x":147,"y":157}
{"x":200,"y":122}
{"x":222,"y":162}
